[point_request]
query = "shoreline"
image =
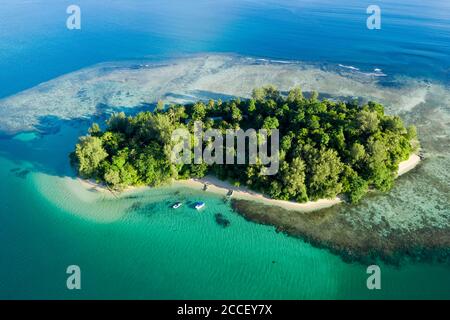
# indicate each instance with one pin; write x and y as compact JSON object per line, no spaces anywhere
{"x":220,"y":187}
{"x":408,"y":165}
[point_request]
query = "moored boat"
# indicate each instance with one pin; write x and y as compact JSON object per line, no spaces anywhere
{"x":177,"y":205}
{"x":199,"y":205}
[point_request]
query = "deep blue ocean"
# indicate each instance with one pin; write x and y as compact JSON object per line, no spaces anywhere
{"x":36,"y":46}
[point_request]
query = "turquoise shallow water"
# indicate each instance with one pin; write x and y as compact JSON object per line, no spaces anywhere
{"x":138,"y":247}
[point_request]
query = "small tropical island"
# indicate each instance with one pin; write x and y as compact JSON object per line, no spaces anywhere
{"x":327,"y":148}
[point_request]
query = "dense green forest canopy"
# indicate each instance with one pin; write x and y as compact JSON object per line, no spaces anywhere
{"x":327,"y":148}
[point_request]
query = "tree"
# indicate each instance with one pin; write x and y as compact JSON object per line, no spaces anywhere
{"x":338,"y":139}
{"x":236,"y":114}
{"x":357,"y":152}
{"x":160,"y":106}
{"x":95,"y":130}
{"x":368,"y":121}
{"x":258,"y":94}
{"x":394,"y":124}
{"x":152,"y":165}
{"x":377,"y":152}
{"x":198,"y":111}
{"x":378,"y":173}
{"x":112,"y":141}
{"x":378,"y":108}
{"x":276,"y":191}
{"x":118,"y":122}
{"x":89,"y":153}
{"x":286,"y":141}
{"x":112,"y":177}
{"x":354,"y":186}
{"x":293,"y":177}
{"x":251,"y":105}
{"x":295,"y":96}
{"x":358,"y":188}
{"x":270,"y":123}
{"x":198,"y":170}
{"x":324,"y":175}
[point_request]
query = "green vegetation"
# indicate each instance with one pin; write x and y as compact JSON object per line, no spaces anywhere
{"x":326,"y":147}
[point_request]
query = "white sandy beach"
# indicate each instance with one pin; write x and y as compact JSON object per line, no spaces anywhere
{"x":408,"y":165}
{"x":220,"y":187}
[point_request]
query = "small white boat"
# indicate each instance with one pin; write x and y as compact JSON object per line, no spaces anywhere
{"x":177,"y":205}
{"x":199,"y":205}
